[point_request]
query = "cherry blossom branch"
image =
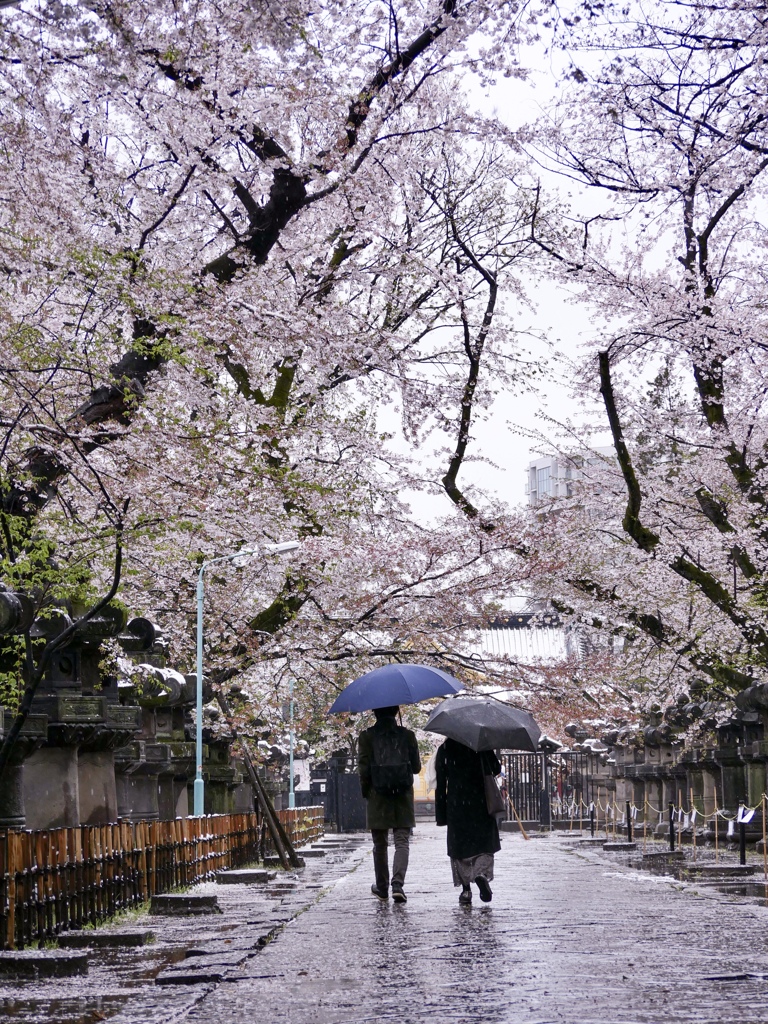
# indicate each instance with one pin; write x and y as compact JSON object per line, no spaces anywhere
{"x":647,"y":540}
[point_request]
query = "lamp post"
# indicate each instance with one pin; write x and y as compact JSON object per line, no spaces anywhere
{"x":291,"y":793}
{"x":276,"y":549}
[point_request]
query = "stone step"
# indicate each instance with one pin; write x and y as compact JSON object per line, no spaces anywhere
{"x":42,"y":963}
{"x":663,"y":855}
{"x":184,"y":905}
{"x":218,"y":945}
{"x":512,"y":826}
{"x":617,"y":847}
{"x":191,"y":975}
{"x":104,"y":939}
{"x":720,"y":870}
{"x":248,"y":876}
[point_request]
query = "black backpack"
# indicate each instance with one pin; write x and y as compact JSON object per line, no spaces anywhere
{"x":391,"y":772}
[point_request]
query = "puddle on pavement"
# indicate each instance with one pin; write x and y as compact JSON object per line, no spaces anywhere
{"x":121,"y":969}
{"x":76,"y":1010}
{"x":756,"y":891}
{"x":752,"y":889}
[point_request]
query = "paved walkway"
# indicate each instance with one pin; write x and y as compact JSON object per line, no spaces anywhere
{"x":572,"y":935}
{"x":568,"y":937}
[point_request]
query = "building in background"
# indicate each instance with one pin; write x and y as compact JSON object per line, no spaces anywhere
{"x":554,"y":476}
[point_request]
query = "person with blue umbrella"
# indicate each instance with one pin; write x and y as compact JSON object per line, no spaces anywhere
{"x":388,"y":758}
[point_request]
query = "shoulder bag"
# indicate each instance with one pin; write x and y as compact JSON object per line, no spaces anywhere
{"x":494,"y":801}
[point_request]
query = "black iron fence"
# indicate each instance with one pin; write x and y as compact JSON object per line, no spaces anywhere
{"x":550,"y":788}
{"x":336,"y":785}
{"x":524,"y":775}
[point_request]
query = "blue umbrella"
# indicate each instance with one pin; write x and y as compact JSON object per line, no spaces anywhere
{"x":395,"y":684}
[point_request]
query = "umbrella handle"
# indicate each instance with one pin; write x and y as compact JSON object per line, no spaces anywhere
{"x":517,"y":818}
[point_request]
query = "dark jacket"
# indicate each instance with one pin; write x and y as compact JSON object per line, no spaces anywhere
{"x":387,"y":811}
{"x":460,"y":799}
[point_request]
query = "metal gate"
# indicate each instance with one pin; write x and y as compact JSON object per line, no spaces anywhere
{"x":525,"y":783}
{"x":336,"y":785}
{"x":549,"y":788}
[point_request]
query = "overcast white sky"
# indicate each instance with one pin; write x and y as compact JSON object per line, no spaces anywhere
{"x":566,"y":325}
{"x":504,"y":437}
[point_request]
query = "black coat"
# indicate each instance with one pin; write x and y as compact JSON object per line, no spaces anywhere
{"x":387,"y":811}
{"x":460,"y":799}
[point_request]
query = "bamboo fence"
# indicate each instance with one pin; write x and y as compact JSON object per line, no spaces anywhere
{"x":57,"y":880}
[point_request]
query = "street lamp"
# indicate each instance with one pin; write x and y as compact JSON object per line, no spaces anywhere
{"x":291,"y":794}
{"x":274,"y":549}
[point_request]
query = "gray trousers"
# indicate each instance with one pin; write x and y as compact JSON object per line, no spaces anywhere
{"x":381,"y":861}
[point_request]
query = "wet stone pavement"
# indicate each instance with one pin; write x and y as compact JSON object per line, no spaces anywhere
{"x":574,"y":934}
{"x":181,"y":958}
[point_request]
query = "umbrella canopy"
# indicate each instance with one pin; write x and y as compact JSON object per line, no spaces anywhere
{"x":484,"y":723}
{"x":395,"y":684}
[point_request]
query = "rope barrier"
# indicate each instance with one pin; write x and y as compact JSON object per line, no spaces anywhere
{"x":689,"y":813}
{"x":690,"y":816}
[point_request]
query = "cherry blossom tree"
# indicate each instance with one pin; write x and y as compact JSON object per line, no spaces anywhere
{"x":231,"y":236}
{"x":663,"y":124}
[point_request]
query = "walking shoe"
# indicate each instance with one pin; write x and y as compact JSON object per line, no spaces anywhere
{"x":380,"y":894}
{"x":465,"y":897}
{"x":398,"y":895}
{"x":485,"y":890}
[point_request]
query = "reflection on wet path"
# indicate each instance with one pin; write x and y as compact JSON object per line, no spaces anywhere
{"x":573,"y":936}
{"x":568,"y":938}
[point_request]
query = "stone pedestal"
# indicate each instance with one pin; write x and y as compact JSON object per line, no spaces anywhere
{"x":137,"y":797}
{"x":654,"y":795}
{"x":220,"y":785}
{"x":174,"y":785}
{"x":222,"y":778}
{"x":755,"y":779}
{"x":98,"y":792}
{"x":734,"y":790}
{"x":32,"y":735}
{"x":50,"y":788}
{"x":709,"y":791}
{"x":172,"y":798}
{"x":668,"y":793}
{"x":623,"y":785}
{"x":243,"y":799}
{"x":695,"y":786}
{"x":12,"y":813}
